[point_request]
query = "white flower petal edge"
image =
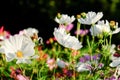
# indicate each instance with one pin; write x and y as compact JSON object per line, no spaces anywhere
{"x":61,"y":63}
{"x":66,"y":40}
{"x":65,"y":19}
{"x":116,"y":31}
{"x":91,"y":18}
{"x":98,"y":16}
{"x":115,"y":63}
{"x":29,"y":32}
{"x":80,"y":67}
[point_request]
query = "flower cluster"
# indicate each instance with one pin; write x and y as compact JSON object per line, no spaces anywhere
{"x":89,"y":63}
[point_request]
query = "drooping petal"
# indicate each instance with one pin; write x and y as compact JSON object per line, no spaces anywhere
{"x":66,"y":39}
{"x":28,"y":50}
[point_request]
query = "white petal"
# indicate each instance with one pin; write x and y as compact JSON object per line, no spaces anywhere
{"x":23,"y":61}
{"x":8,"y":59}
{"x":97,"y":17}
{"x":28,"y":50}
{"x":91,"y":18}
{"x":60,"y":63}
{"x":116,"y":31}
{"x":2,"y":50}
{"x":81,"y":67}
{"x":10,"y":56}
{"x":35,"y":57}
{"x":115,"y":63}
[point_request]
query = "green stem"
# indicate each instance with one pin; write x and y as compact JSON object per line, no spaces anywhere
{"x":110,"y":39}
{"x":78,"y":28}
{"x":89,"y":45}
{"x":32,"y":75}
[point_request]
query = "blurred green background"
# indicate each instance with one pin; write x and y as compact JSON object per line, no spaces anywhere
{"x":16,"y":15}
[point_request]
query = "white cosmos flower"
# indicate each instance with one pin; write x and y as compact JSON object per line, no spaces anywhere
{"x":61,"y":63}
{"x":16,"y":48}
{"x":29,"y":32}
{"x":80,"y":67}
{"x":100,"y":28}
{"x":115,"y":59}
{"x":91,"y":18}
{"x":66,"y":39}
{"x":115,"y":63}
{"x":65,"y":19}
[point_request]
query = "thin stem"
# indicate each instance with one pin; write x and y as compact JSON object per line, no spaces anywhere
{"x":78,"y":28}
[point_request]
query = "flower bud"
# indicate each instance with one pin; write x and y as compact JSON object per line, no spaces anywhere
{"x":83,"y":15}
{"x":58,"y":15}
{"x":78,"y":16}
{"x":112,"y":25}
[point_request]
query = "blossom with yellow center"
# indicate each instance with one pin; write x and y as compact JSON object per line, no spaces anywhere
{"x":31,"y":33}
{"x":16,"y":47}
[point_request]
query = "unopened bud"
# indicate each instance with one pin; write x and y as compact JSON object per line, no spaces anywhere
{"x":113,"y":25}
{"x":83,"y":15}
{"x":58,"y":15}
{"x":78,"y":16}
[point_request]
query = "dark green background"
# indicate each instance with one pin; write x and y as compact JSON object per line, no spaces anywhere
{"x":16,"y":15}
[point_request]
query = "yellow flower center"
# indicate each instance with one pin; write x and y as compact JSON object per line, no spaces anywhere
{"x":19,"y":54}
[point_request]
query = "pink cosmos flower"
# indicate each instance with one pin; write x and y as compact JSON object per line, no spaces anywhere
{"x":68,"y":28}
{"x":51,"y":63}
{"x":3,"y":34}
{"x":17,"y":74}
{"x":21,"y":77}
{"x":81,"y":32}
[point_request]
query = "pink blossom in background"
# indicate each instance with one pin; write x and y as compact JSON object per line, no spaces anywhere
{"x":17,"y":74}
{"x":51,"y":63}
{"x":81,"y":32}
{"x":21,"y":77}
{"x":50,"y":40}
{"x":3,"y":33}
{"x":68,"y":27}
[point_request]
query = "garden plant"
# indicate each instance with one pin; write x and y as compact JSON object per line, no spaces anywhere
{"x":88,"y":53}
